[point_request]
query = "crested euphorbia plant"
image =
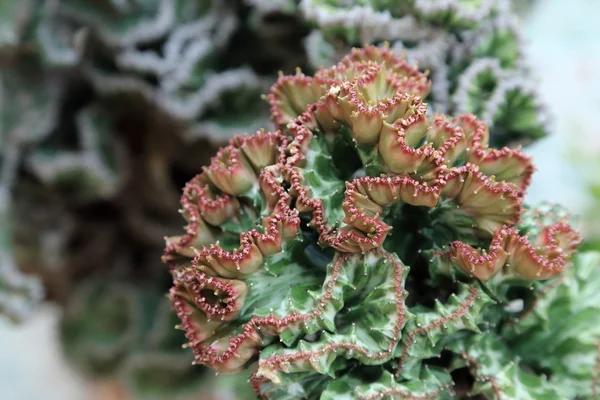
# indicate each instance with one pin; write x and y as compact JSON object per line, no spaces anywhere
{"x":367,"y":250}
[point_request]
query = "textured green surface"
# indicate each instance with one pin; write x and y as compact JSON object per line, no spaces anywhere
{"x":381,"y":254}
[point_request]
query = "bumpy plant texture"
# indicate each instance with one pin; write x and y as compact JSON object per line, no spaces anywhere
{"x":365,"y":250}
{"x":168,"y":52}
{"x":472,"y":49}
{"x":109,"y":107}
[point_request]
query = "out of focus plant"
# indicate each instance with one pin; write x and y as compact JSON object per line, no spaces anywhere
{"x":19,"y":293}
{"x":110,"y":95}
{"x":365,"y":250}
{"x":124,"y":333}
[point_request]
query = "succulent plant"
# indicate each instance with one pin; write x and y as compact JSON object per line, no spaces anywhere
{"x":472,"y":48}
{"x":118,"y":102}
{"x":563,"y":327}
{"x":115,"y":91}
{"x":118,"y":330}
{"x":366,"y":250}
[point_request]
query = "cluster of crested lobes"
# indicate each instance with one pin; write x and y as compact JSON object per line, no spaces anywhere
{"x":472,"y":48}
{"x":297,"y":250}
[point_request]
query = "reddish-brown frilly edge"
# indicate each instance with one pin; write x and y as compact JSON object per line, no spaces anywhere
{"x":373,"y":99}
{"x":510,"y":254}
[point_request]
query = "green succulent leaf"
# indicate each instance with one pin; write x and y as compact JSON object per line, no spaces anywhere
{"x":561,"y":332}
{"x":317,"y":290}
{"x":497,"y":371}
{"x":431,"y":383}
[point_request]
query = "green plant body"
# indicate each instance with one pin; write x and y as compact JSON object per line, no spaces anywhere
{"x":366,"y":250}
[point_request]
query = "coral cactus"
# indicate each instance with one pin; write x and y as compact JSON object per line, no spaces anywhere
{"x":365,"y":250}
{"x":115,"y":95}
{"x":117,"y":104}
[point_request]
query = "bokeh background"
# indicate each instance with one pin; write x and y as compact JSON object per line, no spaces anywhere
{"x":562,"y":44}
